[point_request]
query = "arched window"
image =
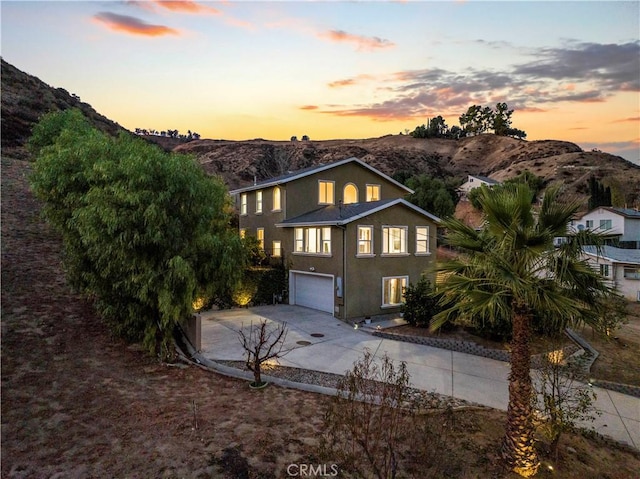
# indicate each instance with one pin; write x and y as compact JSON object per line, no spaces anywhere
{"x":350,"y":194}
{"x":277,"y":199}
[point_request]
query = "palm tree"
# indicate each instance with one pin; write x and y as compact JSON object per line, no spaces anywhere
{"x":510,"y":271}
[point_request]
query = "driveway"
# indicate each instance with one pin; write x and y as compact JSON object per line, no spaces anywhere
{"x":322,"y":343}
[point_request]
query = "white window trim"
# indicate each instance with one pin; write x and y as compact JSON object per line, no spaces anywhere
{"x":321,"y":241}
{"x":333,"y":199}
{"x":428,"y":252}
{"x":384,"y":278}
{"x":357,"y":193}
{"x":367,"y":192}
{"x":259,"y":202}
{"x":364,"y":255}
{"x":274,"y":249}
{"x":406,"y":241}
{"x":279,"y":192}
{"x":243,"y":204}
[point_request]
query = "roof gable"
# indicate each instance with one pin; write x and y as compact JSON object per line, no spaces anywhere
{"x":294,"y":175}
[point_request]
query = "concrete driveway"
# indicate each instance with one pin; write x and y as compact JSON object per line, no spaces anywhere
{"x":322,"y":343}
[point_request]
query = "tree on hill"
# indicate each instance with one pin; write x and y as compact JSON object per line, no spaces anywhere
{"x":510,"y":270}
{"x":146,"y":233}
{"x":432,"y":195}
{"x":599,"y":195}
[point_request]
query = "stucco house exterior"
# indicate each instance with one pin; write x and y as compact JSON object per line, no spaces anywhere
{"x":349,"y":239}
{"x":620,"y":266}
{"x":475,"y":181}
{"x":619,"y":226}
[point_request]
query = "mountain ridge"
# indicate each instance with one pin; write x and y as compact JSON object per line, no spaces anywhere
{"x":26,"y":98}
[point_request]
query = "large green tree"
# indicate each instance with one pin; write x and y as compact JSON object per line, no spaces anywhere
{"x":146,"y":233}
{"x":510,"y":270}
{"x":432,"y":195}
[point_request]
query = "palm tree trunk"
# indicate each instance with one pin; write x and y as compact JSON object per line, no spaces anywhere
{"x":518,"y":448}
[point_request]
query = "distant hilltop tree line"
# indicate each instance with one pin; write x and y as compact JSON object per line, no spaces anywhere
{"x":190,"y":135}
{"x":304,"y":138}
{"x":476,"y":120}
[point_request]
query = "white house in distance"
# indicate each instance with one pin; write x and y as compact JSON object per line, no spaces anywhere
{"x":620,"y":266}
{"x":475,"y":181}
{"x":619,"y":226}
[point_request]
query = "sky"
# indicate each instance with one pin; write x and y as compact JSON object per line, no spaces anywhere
{"x":240,"y":70}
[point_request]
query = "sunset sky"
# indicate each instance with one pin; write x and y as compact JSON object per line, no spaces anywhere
{"x":240,"y":70}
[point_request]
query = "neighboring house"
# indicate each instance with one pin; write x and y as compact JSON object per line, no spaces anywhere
{"x":619,"y":226}
{"x":474,"y":181}
{"x":620,"y":266}
{"x":352,"y":244}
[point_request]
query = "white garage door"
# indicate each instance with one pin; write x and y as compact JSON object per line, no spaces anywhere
{"x":313,"y":291}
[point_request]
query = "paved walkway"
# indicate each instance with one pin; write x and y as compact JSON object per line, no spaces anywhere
{"x":332,"y":346}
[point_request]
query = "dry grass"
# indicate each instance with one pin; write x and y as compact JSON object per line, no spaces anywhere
{"x":618,"y":360}
{"x":78,"y":403}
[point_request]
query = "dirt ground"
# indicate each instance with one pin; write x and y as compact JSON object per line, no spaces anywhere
{"x":78,"y":403}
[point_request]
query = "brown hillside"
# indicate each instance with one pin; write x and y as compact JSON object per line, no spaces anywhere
{"x":26,"y":98}
{"x":240,"y":162}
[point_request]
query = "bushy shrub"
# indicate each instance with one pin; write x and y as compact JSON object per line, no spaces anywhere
{"x":421,"y":303}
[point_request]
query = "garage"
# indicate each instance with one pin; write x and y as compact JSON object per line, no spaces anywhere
{"x":313,"y":291}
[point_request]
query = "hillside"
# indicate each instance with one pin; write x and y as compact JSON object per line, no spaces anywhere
{"x":25,"y":99}
{"x":240,"y":162}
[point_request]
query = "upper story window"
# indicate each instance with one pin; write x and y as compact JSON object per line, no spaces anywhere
{"x":260,"y":237}
{"x":277,"y":199}
{"x":605,"y":224}
{"x":365,"y":240}
{"x":604,"y":270}
{"x":313,"y":240}
{"x":422,"y":240}
{"x":589,"y":224}
{"x":243,"y":204}
{"x":326,"y":193}
{"x":258,"y":201}
{"x":373,"y":192}
{"x":350,"y":194}
{"x":394,"y":239}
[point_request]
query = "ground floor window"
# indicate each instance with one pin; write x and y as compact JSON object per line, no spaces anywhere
{"x":604,"y":270}
{"x":393,"y":290}
{"x":632,"y":273}
{"x":276,"y":249}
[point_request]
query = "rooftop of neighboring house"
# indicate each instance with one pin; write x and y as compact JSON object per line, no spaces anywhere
{"x":294,"y":175}
{"x":613,"y":254}
{"x":486,"y":179}
{"x":626,"y":212}
{"x":343,"y":214}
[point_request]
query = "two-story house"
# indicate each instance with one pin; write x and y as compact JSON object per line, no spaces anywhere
{"x":350,"y":240}
{"x":619,"y":226}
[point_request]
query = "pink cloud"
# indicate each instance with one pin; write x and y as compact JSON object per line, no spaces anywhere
{"x":309,"y":107}
{"x":187,"y":6}
{"x":132,"y":25}
{"x":361,"y":42}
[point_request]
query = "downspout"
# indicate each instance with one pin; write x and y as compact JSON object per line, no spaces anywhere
{"x":344,"y":270}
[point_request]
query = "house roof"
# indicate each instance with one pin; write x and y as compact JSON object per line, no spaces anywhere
{"x":333,"y":215}
{"x":615,"y":255}
{"x":486,"y":179}
{"x":294,"y":175}
{"x":626,"y":212}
